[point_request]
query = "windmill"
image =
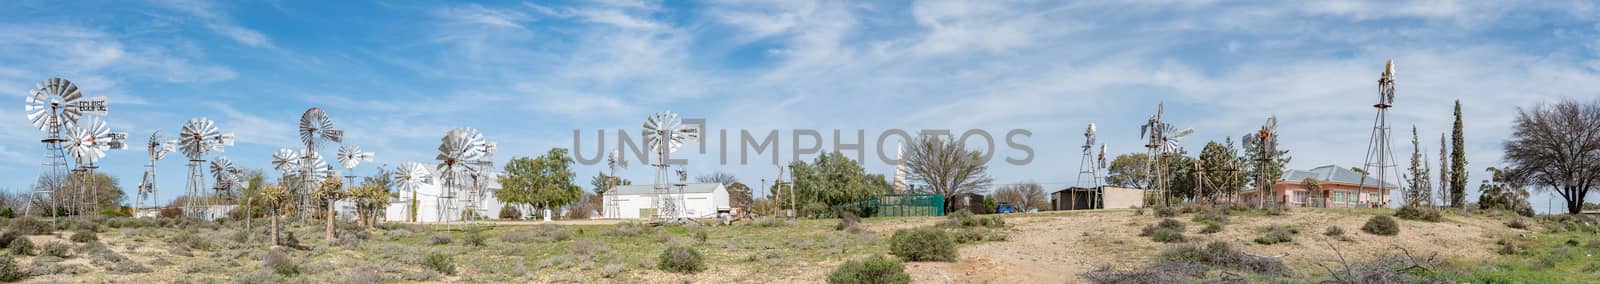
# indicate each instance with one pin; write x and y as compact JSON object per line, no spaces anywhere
{"x":349,"y":157}
{"x":198,"y":137}
{"x":614,"y":160}
{"x":1267,"y":143}
{"x":664,"y":132}
{"x":315,"y":126}
{"x":87,"y":143}
{"x":1162,"y":139}
{"x":457,"y":151}
{"x":480,"y":170}
{"x":1087,"y":166}
{"x":226,"y":175}
{"x":53,"y":107}
{"x":411,"y":176}
{"x":1379,"y":155}
{"x":158,"y":147}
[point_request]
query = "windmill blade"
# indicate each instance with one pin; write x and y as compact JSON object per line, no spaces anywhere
{"x":285,"y":161}
{"x":221,"y":168}
{"x":316,"y":126}
{"x":51,"y":106}
{"x":618,"y":159}
{"x":1180,"y":134}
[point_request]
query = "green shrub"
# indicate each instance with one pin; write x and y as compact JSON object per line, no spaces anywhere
{"x":1167,"y":224}
{"x":117,"y":212}
{"x":875,"y":269}
{"x":1419,"y":214}
{"x":84,"y":237}
{"x":28,"y":225}
{"x":961,"y":218}
{"x":681,"y":259}
{"x":1333,"y":231}
{"x":439,"y":262}
{"x":279,"y":263}
{"x":439,"y":239}
{"x":474,"y":238}
{"x":21,"y":246}
{"x":7,"y":237}
{"x":1517,"y":223}
{"x":1167,"y":235}
{"x":1277,"y":234}
{"x":56,"y":249}
{"x":510,"y":213}
{"x":922,"y":244}
{"x":1211,"y":227}
{"x":700,"y":235}
{"x":1381,"y":225}
{"x":1214,"y":215}
{"x":1166,"y":212}
{"x":7,"y":213}
{"x":9,"y":271}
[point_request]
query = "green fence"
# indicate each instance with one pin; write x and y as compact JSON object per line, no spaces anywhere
{"x":903,"y":205}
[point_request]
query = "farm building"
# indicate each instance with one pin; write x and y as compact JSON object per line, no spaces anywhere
{"x":1079,"y":198}
{"x":638,"y":201}
{"x":429,"y":209}
{"x":972,"y":202}
{"x":1341,"y":188}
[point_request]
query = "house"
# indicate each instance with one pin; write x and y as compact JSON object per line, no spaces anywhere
{"x":1340,"y":188}
{"x":1079,"y":198}
{"x":699,"y":200}
{"x":430,"y":207}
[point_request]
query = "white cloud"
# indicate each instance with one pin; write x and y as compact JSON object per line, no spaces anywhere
{"x":205,"y":12}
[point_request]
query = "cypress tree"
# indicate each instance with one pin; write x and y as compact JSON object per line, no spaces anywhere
{"x":1458,"y":162}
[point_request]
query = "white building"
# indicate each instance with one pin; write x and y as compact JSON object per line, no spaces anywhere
{"x":699,"y":199}
{"x":429,"y":207}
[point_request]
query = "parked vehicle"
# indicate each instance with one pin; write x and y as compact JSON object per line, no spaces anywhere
{"x":1005,"y":208}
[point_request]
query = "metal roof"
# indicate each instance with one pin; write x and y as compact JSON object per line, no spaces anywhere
{"x":650,"y":188}
{"x":1332,"y":173}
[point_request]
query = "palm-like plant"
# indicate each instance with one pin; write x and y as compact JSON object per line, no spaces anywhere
{"x":329,"y":192}
{"x":275,"y":196}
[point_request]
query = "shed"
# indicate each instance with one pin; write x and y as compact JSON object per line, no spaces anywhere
{"x":1081,"y":198}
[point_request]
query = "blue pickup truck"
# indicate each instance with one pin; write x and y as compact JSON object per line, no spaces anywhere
{"x":1005,"y":208}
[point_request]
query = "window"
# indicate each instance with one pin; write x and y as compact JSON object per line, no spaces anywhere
{"x":1299,"y":196}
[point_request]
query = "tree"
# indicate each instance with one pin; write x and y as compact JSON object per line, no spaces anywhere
{"x":330,"y":191}
{"x":106,"y":192}
{"x":721,"y":177}
{"x":1180,"y":174}
{"x":1505,"y":189}
{"x":1129,"y":170}
{"x":254,"y":181}
{"x":739,"y":195}
{"x":834,"y":179}
{"x":373,"y":196}
{"x":1314,"y":187}
{"x":1263,"y":168}
{"x":1444,"y":172}
{"x":946,"y":168}
{"x":1418,"y":191}
{"x":1224,"y":174}
{"x":1023,"y":196}
{"x":275,"y":196}
{"x":544,"y":182}
{"x":1458,"y":163}
{"x":1557,"y":147}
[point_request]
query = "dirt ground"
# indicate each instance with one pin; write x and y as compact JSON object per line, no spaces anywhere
{"x":1056,"y":247}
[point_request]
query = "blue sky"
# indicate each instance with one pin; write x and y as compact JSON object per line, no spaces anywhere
{"x":397,"y":75}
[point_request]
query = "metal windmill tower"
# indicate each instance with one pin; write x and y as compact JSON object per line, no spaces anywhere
{"x":287,"y":163}
{"x":199,"y":137}
{"x":411,"y":176}
{"x":457,"y":151}
{"x":664,"y":132}
{"x":1162,"y":139}
{"x":1267,"y":143}
{"x":158,"y":147}
{"x":54,"y":107}
{"x":315,"y":126}
{"x":87,"y":143}
{"x":481,"y":168}
{"x":1088,"y":166}
{"x":1380,"y":157}
{"x":614,"y":161}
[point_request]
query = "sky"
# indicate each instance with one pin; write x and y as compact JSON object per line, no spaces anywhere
{"x":396,"y":75}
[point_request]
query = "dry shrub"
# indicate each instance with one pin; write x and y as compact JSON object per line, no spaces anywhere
{"x":1419,"y":213}
{"x":626,"y":230}
{"x":1161,"y":272}
{"x":923,"y":244}
{"x":439,"y":239}
{"x":1381,"y":225}
{"x":1517,"y":223}
{"x":1222,"y":254}
{"x":872,"y":270}
{"x":1277,"y":234}
{"x":681,"y":259}
{"x":279,"y":263}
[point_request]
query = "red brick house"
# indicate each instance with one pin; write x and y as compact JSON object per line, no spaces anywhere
{"x":1341,"y":188}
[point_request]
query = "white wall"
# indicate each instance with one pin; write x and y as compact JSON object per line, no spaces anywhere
{"x":696,"y":204}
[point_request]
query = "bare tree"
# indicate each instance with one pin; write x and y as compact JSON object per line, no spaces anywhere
{"x":1024,"y":196}
{"x":1558,"y":147}
{"x":946,"y":168}
{"x":724,"y":178}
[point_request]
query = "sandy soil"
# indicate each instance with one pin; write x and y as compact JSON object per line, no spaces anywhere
{"x":1057,"y":247}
